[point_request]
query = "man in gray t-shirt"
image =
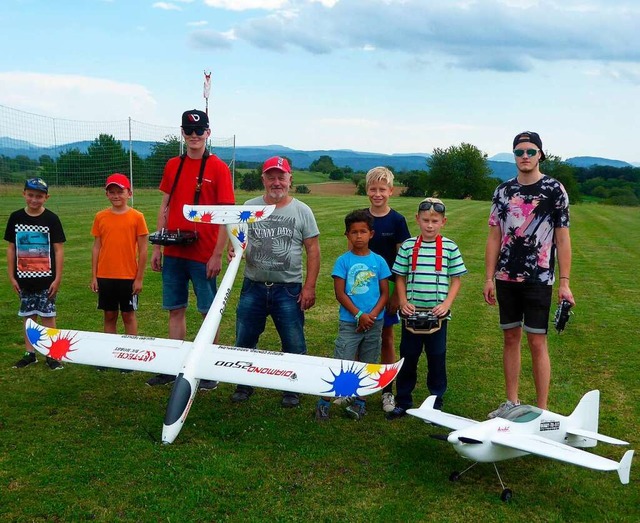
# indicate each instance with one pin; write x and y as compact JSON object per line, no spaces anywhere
{"x":273,"y":278}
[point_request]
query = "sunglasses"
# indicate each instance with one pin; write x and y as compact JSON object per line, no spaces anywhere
{"x":426,"y":206}
{"x":199,"y":131}
{"x":37,"y":184}
{"x":530,"y":152}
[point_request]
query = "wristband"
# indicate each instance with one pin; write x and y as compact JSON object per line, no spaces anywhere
{"x":357,"y":316}
{"x":564,"y":277}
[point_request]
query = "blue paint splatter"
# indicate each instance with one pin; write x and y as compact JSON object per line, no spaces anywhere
{"x":347,"y":382}
{"x":193,"y":213}
{"x":244,"y":216}
{"x":35,"y":335}
{"x":241,"y":237}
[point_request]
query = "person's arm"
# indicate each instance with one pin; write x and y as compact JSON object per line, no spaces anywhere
{"x":58,"y":252}
{"x":95,"y":253}
{"x":214,"y":265}
{"x":394,"y":303}
{"x":406,"y":308}
{"x":563,"y":246}
{"x":156,"y":255}
{"x":11,"y":266}
{"x":307,"y":297}
{"x":443,"y":308}
{"x":143,"y":249}
{"x":492,"y":250}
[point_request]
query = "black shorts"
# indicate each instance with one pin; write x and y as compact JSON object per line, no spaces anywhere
{"x":115,"y":294}
{"x":525,"y":304}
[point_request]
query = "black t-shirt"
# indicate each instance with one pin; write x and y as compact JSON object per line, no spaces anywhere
{"x":390,"y":231}
{"x":34,"y":237}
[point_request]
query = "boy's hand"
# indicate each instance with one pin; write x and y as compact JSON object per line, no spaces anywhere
{"x":94,"y":284}
{"x":365,"y":322}
{"x":53,"y":288}
{"x":156,"y":259}
{"x":489,"y":292}
{"x":15,"y":284}
{"x":137,"y":286}
{"x":407,"y":309}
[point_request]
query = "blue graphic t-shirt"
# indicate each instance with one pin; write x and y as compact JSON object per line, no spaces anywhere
{"x":362,"y":276}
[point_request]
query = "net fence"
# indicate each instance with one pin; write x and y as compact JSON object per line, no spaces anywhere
{"x":84,"y":153}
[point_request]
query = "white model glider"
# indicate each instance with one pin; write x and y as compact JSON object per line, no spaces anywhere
{"x":201,"y":359}
{"x":529,"y":430}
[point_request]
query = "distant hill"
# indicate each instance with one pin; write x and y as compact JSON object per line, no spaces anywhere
{"x":501,"y":164}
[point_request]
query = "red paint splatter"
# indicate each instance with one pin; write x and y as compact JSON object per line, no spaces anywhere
{"x":259,"y":214}
{"x":61,"y":347}
{"x":387,"y":376}
{"x":206,"y":217}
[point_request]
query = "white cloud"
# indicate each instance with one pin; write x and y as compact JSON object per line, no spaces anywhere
{"x":199,"y":23}
{"x":167,"y":6}
{"x":243,"y":5}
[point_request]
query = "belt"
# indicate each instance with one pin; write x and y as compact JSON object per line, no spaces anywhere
{"x":275,"y":283}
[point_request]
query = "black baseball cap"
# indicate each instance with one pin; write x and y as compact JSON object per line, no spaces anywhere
{"x":195,"y":119}
{"x":531,"y":137}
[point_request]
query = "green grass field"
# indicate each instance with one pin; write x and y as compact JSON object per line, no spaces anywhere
{"x":81,"y":445}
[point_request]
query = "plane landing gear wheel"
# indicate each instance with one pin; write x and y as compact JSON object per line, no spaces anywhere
{"x":455,"y":476}
{"x":506,"y":495}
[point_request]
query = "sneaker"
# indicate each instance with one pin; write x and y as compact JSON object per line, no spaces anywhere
{"x":357,"y":410}
{"x":27,"y":359}
{"x":160,"y":379}
{"x":290,"y":400}
{"x":54,"y":364}
{"x":396,"y":413}
{"x":388,"y":402}
{"x":241,"y":395}
{"x":437,"y":405}
{"x":322,"y":410}
{"x":502,"y":409}
{"x":208,"y":385}
{"x":343,"y":401}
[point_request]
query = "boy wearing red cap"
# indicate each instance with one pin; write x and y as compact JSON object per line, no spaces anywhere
{"x":119,"y":256}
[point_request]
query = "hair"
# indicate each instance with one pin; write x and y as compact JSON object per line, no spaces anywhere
{"x":379,"y":174}
{"x":359,"y":215}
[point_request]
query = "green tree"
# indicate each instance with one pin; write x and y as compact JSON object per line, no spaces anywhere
{"x":324,"y":164}
{"x":154,"y":164}
{"x":460,"y":171}
{"x":563,"y":172}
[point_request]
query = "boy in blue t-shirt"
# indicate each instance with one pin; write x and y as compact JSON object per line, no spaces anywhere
{"x":360,"y":280}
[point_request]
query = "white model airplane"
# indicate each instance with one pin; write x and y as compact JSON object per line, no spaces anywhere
{"x":529,"y":430}
{"x":201,"y":359}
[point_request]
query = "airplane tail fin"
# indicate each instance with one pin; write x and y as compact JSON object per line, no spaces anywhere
{"x":585,"y":416}
{"x":625,"y":467}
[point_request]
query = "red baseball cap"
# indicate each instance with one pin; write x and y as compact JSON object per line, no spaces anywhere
{"x":277,"y":162}
{"x":118,"y":179}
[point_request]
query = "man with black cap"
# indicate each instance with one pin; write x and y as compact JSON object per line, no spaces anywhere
{"x":528,"y":229}
{"x":201,"y":178}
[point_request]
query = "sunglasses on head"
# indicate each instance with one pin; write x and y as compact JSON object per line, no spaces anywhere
{"x":198,"y":130}
{"x":530,"y":152}
{"x":437,"y":206}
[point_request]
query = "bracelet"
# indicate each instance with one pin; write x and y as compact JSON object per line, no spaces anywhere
{"x":357,"y":316}
{"x":564,"y":277}
{"x":491,"y":279}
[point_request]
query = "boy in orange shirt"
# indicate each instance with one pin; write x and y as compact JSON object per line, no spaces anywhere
{"x":119,"y":256}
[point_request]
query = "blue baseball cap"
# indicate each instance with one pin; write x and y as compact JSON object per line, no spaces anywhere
{"x":36,"y":184}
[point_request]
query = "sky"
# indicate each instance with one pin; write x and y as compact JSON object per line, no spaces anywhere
{"x":386,"y":76}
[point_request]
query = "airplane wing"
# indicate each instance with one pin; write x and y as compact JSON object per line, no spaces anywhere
{"x":427,"y":413}
{"x":273,"y":370}
{"x":552,"y":449}
{"x":597,"y":436}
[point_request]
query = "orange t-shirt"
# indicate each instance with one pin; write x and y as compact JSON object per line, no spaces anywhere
{"x":118,"y":235}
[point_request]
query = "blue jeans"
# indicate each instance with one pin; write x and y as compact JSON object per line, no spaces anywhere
{"x":411,"y":346}
{"x":176,"y":274}
{"x":278,"y":300}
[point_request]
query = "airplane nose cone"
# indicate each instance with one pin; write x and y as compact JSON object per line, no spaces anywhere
{"x":453,"y":438}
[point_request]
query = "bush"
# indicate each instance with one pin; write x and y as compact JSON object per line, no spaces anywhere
{"x":302,"y":189}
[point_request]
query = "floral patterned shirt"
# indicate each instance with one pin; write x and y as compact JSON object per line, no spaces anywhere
{"x":528,"y":216}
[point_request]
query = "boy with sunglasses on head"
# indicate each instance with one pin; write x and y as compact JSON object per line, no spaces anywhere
{"x":528,"y":228}
{"x":428,"y":270}
{"x":34,"y":261}
{"x":196,"y":177}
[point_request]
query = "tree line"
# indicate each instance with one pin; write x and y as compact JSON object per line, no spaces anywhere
{"x":457,"y":172}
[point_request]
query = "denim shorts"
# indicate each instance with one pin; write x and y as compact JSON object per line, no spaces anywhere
{"x":358,"y":346}
{"x":525,"y":304}
{"x":176,"y":274}
{"x":34,"y":303}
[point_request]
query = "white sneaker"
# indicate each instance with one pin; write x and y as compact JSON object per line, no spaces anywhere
{"x":343,"y":402}
{"x":388,"y":402}
{"x":502,"y":409}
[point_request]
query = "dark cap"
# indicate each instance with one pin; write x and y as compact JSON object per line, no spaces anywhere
{"x":36,"y":184}
{"x":531,"y":137}
{"x":195,"y":119}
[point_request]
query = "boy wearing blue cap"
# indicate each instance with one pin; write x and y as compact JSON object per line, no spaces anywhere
{"x":34,"y":261}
